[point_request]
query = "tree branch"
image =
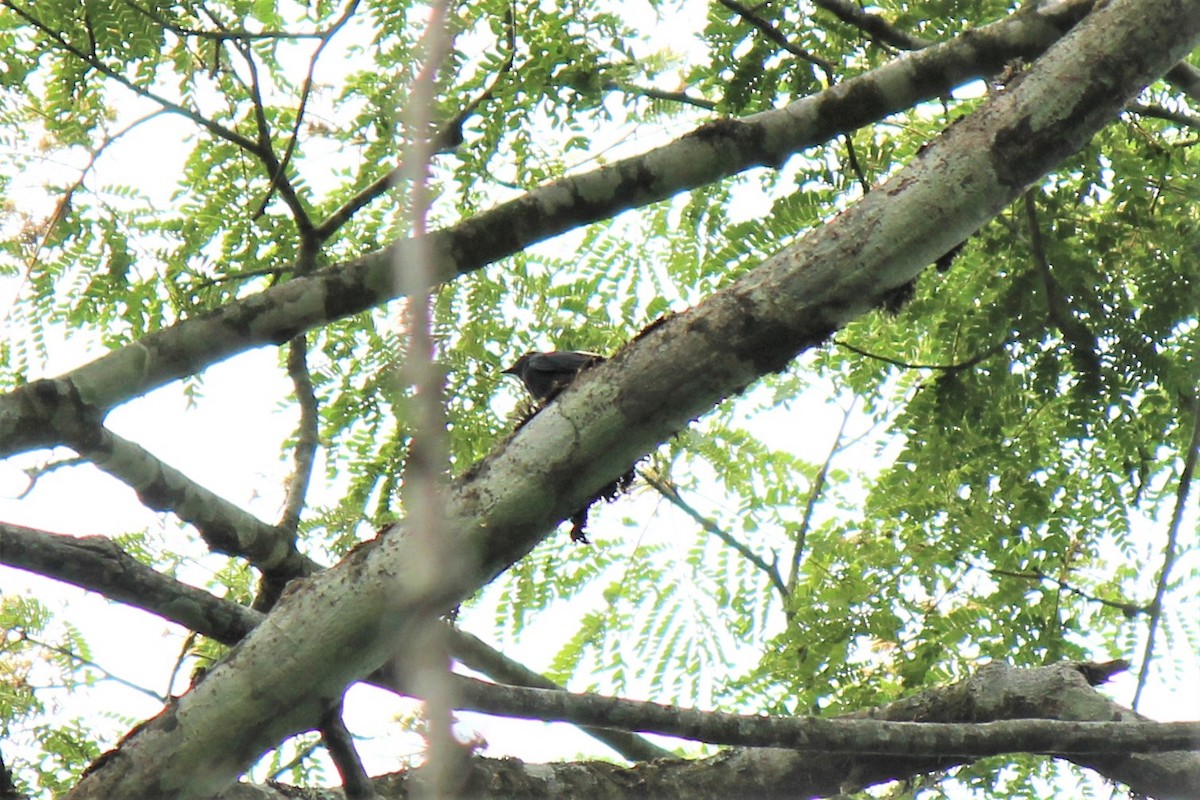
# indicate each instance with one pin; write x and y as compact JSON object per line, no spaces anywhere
{"x":774,"y":34}
{"x":618,"y":411}
{"x":213,"y":127}
{"x":97,"y":564}
{"x":873,"y":25}
{"x":223,"y":526}
{"x":671,"y":494}
{"x":279,"y":173}
{"x":956,"y":367}
{"x":473,"y":653}
{"x":1170,"y":550}
{"x":1078,"y":335}
{"x":814,"y":494}
{"x":927,"y":740}
{"x":444,"y":140}
{"x":356,"y":783}
{"x":707,"y":154}
{"x":307,"y":435}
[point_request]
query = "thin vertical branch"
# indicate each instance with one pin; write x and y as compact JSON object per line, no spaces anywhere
{"x":427,"y":464}
{"x":307,"y":438}
{"x":1170,"y":552}
{"x":814,"y":494}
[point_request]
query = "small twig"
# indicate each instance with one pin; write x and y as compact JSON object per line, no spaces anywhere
{"x":215,"y":128}
{"x":37,"y":473}
{"x":305,"y":93}
{"x":660,"y":94}
{"x":1130,"y":610}
{"x":1078,"y":335}
{"x":188,"y":641}
{"x":274,"y":272}
{"x":773,"y":33}
{"x":957,"y":367}
{"x":852,"y":158}
{"x":1170,"y":551}
{"x":1158,"y":112}
{"x":87,"y":662}
{"x":301,"y":754}
{"x":672,"y":495}
{"x":447,"y":137}
{"x":266,"y":151}
{"x":814,"y":494}
{"x":874,"y":25}
{"x":64,"y":203}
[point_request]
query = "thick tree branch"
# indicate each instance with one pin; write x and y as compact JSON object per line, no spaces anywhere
{"x":708,"y":154}
{"x":923,"y":739}
{"x":98,"y":564}
{"x":223,"y":526}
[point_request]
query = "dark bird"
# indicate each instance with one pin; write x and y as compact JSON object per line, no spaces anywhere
{"x":545,"y":375}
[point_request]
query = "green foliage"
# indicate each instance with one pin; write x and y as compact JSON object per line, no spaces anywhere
{"x":1001,"y":489}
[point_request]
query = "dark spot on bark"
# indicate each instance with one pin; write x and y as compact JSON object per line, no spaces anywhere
{"x":894,"y":300}
{"x":747,"y":137}
{"x":861,"y":102}
{"x":943,"y":262}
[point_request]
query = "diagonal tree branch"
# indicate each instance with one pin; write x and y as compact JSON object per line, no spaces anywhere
{"x":224,"y":527}
{"x":774,"y":34}
{"x":814,"y":496}
{"x":91,"y":60}
{"x":473,"y":653}
{"x":279,"y":176}
{"x":98,"y":564}
{"x":672,"y":495}
{"x":712,"y":152}
{"x":873,"y":25}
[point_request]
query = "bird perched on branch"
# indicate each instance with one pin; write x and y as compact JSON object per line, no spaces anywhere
{"x":545,"y":375}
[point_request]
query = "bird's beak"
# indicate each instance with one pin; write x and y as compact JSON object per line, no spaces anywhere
{"x":510,"y":370}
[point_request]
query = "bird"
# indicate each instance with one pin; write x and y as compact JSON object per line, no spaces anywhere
{"x":545,"y":375}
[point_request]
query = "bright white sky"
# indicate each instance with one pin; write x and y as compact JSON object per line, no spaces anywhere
{"x":230,"y":443}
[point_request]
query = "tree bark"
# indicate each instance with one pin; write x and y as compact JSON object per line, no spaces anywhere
{"x":995,"y":692}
